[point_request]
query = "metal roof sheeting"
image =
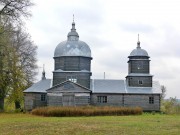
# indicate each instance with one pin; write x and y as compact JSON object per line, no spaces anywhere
{"x":139,"y":52}
{"x":103,"y":86}
{"x":40,"y":86}
{"x":108,"y":86}
{"x":72,"y":48}
{"x":120,"y":86}
{"x":155,"y":89}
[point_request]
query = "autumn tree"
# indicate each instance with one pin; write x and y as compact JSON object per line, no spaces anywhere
{"x":23,"y":65}
{"x":17,"y":51}
{"x":4,"y":66}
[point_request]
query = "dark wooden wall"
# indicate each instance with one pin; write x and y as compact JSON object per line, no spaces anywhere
{"x":83,"y":78}
{"x":142,"y":64}
{"x":72,"y":63}
{"x":134,"y":81}
{"x":78,"y":67}
{"x":33,"y":100}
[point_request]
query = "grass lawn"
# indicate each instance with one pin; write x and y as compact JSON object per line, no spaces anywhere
{"x":146,"y":124}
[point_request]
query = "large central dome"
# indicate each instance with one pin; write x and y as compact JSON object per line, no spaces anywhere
{"x":72,"y":46}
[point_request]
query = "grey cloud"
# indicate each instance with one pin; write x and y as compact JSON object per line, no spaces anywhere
{"x":169,"y":45}
{"x":136,"y":27}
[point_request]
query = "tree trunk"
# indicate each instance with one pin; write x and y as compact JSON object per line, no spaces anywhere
{"x":1,"y":104}
{"x":17,"y":105}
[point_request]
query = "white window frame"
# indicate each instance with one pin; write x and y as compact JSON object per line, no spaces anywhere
{"x":72,"y":78}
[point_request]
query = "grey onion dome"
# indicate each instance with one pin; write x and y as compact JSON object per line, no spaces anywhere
{"x":138,"y":51}
{"x":72,"y":46}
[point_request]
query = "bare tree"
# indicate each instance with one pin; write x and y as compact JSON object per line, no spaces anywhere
{"x":14,"y":9}
{"x":163,"y":89}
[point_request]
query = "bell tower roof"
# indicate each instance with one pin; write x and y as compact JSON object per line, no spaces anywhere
{"x":138,"y":51}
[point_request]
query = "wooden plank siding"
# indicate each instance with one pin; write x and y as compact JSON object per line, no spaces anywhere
{"x":33,"y":100}
{"x":54,"y":100}
{"x":128,"y":100}
{"x":142,"y":101}
{"x":112,"y":100}
{"x":83,"y":78}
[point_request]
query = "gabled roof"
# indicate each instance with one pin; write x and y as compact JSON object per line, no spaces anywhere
{"x":40,"y":86}
{"x":68,"y":86}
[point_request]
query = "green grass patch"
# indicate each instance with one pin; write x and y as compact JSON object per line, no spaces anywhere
{"x":86,"y":111}
{"x":146,"y":124}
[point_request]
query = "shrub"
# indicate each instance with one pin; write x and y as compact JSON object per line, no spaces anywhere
{"x":85,"y":111}
{"x":170,"y":106}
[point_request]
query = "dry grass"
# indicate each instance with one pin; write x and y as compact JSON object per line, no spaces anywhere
{"x":86,"y":111}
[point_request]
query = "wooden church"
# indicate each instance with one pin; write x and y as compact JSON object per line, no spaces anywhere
{"x":72,"y":84}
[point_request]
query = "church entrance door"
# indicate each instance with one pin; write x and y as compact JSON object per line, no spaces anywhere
{"x":68,"y":100}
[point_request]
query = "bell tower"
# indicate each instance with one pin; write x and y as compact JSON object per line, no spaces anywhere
{"x":139,"y":68}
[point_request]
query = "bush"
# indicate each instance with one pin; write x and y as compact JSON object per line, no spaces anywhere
{"x":170,"y":106}
{"x":85,"y":111}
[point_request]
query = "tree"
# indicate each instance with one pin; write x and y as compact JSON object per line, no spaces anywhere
{"x":163,"y":89}
{"x":17,"y":51}
{"x":4,"y":66}
{"x":23,"y":65}
{"x":14,"y":9}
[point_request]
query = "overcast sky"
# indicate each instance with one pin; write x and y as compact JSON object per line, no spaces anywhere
{"x":110,"y":28}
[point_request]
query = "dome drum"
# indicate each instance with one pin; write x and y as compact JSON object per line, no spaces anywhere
{"x":72,"y":63}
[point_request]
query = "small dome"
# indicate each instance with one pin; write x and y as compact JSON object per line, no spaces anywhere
{"x":72,"y":46}
{"x":138,"y":51}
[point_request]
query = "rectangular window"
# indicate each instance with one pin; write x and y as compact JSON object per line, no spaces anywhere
{"x":72,"y":78}
{"x":151,"y":100}
{"x":43,"y":97}
{"x":102,"y":99}
{"x":140,"y":82}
